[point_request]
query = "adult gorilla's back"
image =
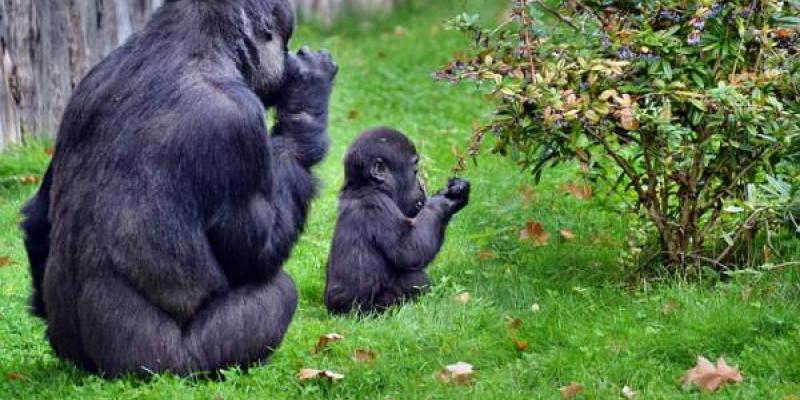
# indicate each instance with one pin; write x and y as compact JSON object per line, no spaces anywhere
{"x":157,"y":237}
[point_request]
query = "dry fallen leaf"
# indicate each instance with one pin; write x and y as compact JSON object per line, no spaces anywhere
{"x":521,"y":345}
{"x":5,"y":262}
{"x":571,"y":390}
{"x":353,"y":114}
{"x":459,"y":373}
{"x":400,"y":31}
{"x":534,"y":232}
{"x":513,"y":325}
{"x":49,"y":151}
{"x":363,"y":355}
{"x":710,"y":377}
{"x":308,"y":374}
{"x":327,"y":340}
{"x":629,"y":393}
{"x":486,"y":255}
{"x":463,"y":297}
{"x":580,"y":191}
{"x":14,"y":376}
{"x":30,"y":180}
{"x":567,"y":234}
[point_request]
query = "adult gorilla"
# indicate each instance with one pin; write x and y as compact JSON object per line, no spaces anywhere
{"x":157,"y":237}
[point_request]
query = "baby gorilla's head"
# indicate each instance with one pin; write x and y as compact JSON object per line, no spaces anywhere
{"x":386,"y":160}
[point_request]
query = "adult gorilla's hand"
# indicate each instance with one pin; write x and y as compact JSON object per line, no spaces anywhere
{"x":309,"y":81}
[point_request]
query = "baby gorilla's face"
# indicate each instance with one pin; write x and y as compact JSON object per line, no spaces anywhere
{"x":414,"y":191}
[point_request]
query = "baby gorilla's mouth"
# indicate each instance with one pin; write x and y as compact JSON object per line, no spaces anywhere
{"x":419,"y":204}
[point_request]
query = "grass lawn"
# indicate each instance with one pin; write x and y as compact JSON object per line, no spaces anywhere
{"x":582,"y":317}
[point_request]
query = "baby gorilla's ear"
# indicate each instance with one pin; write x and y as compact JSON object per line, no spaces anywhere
{"x":378,"y":170}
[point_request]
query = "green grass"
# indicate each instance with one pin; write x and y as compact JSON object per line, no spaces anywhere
{"x":594,"y":326}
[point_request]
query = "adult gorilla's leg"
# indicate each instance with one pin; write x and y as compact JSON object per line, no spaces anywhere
{"x":36,"y":226}
{"x":129,"y":335}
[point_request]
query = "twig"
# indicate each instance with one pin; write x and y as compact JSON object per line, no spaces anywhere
{"x":527,"y":24}
{"x":558,"y":15}
{"x":747,"y":224}
{"x":711,"y":260}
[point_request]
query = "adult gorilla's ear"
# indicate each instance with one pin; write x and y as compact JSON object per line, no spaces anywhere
{"x":378,"y":170}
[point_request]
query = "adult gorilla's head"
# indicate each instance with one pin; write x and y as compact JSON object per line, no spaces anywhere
{"x":386,"y":160}
{"x":267,"y":26}
{"x":254,"y":34}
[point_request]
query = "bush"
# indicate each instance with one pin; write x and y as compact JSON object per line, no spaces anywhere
{"x":685,"y":107}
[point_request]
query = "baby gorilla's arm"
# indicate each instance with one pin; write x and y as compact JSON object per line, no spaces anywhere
{"x":411,"y":244}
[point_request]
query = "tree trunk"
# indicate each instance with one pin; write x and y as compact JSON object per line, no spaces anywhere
{"x":47,"y":46}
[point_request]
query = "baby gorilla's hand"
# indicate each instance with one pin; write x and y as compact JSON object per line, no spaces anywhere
{"x":457,"y":192}
{"x":309,"y":81}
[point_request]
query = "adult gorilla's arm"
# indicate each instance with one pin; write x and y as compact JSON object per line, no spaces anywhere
{"x":254,"y":241}
{"x":36,"y":226}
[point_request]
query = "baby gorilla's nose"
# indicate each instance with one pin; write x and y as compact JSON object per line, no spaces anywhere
{"x":419,"y":204}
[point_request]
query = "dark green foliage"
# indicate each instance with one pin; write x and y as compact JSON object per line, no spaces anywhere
{"x":685,"y":107}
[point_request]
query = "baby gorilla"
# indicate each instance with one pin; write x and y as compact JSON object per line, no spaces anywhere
{"x":387,"y":232}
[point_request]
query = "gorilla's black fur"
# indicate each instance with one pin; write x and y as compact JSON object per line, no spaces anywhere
{"x":387,"y":232}
{"x":157,"y":238}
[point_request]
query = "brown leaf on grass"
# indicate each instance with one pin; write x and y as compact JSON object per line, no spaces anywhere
{"x":306,"y":374}
{"x":570,"y":391}
{"x":49,"y":151}
{"x":534,"y":232}
{"x":14,"y":376}
{"x":567,"y":234}
{"x":513,"y":325}
{"x":486,"y":255}
{"x":30,"y":179}
{"x":400,"y":31}
{"x":459,"y":373}
{"x":463,"y":297}
{"x":710,"y":377}
{"x":521,"y":345}
{"x":5,"y":262}
{"x":352,"y":114}
{"x":580,"y":191}
{"x":363,"y":355}
{"x":326,"y":340}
